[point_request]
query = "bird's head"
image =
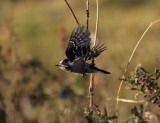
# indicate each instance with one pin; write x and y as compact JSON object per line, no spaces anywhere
{"x":64,"y":64}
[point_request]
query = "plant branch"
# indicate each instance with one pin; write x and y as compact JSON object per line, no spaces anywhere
{"x":87,"y":14}
{"x":97,"y":20}
{"x":72,"y":12}
{"x":126,"y":100}
{"x":91,"y":87}
{"x":132,"y":54}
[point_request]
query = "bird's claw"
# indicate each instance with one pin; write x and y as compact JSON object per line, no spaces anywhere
{"x":83,"y":74}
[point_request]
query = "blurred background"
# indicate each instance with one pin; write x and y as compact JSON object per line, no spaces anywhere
{"x":33,"y":38}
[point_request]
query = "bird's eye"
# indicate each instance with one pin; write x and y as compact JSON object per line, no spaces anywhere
{"x":65,"y":61}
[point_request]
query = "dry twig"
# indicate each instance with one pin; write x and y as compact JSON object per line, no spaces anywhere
{"x":72,"y":12}
{"x":133,"y":52}
{"x":91,"y":87}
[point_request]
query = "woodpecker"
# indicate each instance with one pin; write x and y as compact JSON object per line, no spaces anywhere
{"x":79,"y":54}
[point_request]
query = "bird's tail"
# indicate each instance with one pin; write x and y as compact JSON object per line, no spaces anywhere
{"x":100,"y":71}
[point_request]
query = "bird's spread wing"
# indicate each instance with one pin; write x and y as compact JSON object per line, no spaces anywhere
{"x":95,"y":51}
{"x":79,"y":43}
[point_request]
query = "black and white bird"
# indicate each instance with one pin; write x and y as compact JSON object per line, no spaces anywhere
{"x":79,"y":53}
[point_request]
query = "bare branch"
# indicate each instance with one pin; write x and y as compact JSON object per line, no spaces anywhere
{"x":72,"y":12}
{"x":126,"y":100}
{"x":87,"y":14}
{"x":133,"y":52}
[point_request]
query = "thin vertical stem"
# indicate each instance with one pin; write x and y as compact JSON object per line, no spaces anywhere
{"x":87,"y":14}
{"x":91,"y":90}
{"x":91,"y":85}
{"x":97,"y":20}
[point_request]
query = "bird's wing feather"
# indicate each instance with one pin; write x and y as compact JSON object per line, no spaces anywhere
{"x":79,"y":43}
{"x":95,"y":51}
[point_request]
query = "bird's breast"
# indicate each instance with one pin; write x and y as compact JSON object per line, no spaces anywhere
{"x":80,"y":67}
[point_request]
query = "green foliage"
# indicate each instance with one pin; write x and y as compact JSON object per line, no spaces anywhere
{"x":145,"y":82}
{"x":98,"y":117}
{"x":138,"y":114}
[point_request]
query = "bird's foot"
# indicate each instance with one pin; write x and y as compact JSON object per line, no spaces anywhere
{"x":83,"y":74}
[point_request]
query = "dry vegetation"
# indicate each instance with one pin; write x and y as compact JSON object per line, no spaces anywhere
{"x":33,"y":36}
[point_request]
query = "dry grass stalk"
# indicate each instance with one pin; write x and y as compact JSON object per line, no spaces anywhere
{"x":133,"y":52}
{"x":97,"y":20}
{"x":126,"y":100}
{"x":72,"y":12}
{"x":91,"y":87}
